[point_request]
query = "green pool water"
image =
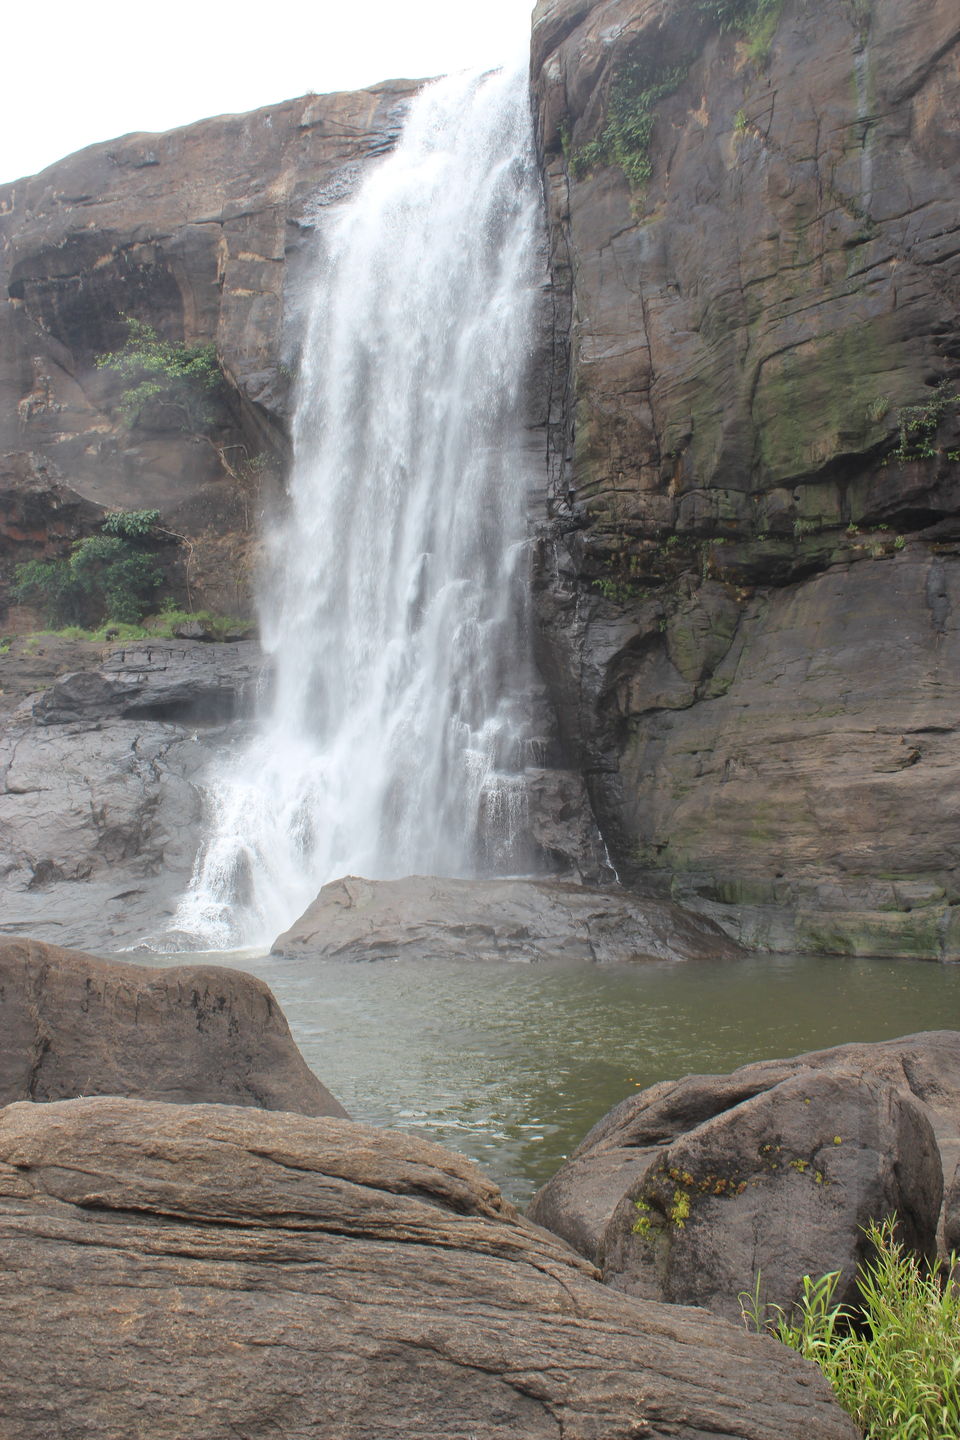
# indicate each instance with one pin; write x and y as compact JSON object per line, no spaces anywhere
{"x":512,"y":1064}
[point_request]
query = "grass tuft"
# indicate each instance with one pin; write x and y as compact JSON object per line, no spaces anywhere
{"x":894,"y":1361}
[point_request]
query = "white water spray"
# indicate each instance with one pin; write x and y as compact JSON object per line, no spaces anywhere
{"x":396,"y":737}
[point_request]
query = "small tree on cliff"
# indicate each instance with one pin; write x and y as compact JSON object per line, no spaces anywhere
{"x":109,"y":575}
{"x":165,"y":381}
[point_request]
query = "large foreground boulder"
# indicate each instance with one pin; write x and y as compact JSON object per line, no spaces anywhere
{"x":687,"y":1190}
{"x":71,"y":1024}
{"x":525,"y":920}
{"x":205,"y":1271}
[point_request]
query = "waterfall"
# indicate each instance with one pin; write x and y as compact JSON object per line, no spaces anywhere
{"x":393,"y":603}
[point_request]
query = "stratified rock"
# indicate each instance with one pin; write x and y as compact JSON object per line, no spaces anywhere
{"x":439,"y":919}
{"x":687,"y":1190}
{"x":76,"y":1025}
{"x":193,"y":682}
{"x":202,"y":1271}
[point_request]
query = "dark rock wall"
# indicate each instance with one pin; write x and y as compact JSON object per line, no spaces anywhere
{"x":747,"y":580}
{"x":198,"y":233}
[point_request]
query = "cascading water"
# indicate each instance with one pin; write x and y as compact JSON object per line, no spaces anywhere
{"x":395,"y":739}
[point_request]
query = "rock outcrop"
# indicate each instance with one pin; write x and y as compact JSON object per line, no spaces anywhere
{"x":205,"y":1270}
{"x":688,"y":1190}
{"x":748,"y":585}
{"x":526,"y":920}
{"x":101,"y":805}
{"x":76,"y":1025}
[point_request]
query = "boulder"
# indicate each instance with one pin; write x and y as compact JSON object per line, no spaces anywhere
{"x":99,"y":826}
{"x":524,"y":920}
{"x":75,"y":1025}
{"x":951,"y":1214}
{"x":169,"y":1271}
{"x":685,"y":1191}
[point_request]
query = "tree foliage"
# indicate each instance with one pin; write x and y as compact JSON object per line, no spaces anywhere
{"x":110,"y":575}
{"x":165,"y":380}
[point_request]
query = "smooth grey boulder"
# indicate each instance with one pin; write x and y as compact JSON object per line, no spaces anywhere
{"x":686,"y":1190}
{"x":202,"y":1271}
{"x":71,"y":1024}
{"x":518,"y":920}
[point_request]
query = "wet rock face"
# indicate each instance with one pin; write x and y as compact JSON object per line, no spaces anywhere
{"x":169,"y":1270}
{"x":688,"y":1189}
{"x":101,"y":800}
{"x":789,"y":262}
{"x":526,"y":920}
{"x":735,"y":522}
{"x":76,"y":1025}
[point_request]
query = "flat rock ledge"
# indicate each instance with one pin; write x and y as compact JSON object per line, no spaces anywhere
{"x":73,"y":1025}
{"x":202,"y":1271}
{"x":430,"y":918}
{"x":687,"y":1190}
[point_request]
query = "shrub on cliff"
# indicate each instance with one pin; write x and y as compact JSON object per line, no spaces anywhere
{"x":108,"y":575}
{"x":165,"y":381}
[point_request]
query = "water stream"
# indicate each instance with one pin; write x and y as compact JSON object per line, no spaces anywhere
{"x":393,"y":604}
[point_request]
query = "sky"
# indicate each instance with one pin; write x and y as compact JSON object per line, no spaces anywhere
{"x":75,"y":74}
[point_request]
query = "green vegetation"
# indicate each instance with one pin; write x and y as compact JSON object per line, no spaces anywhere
{"x":894,"y":1362}
{"x":754,"y":20}
{"x":164,"y":626}
{"x":620,"y":592}
{"x":130,"y":524}
{"x":164,"y":376}
{"x":918,"y":426}
{"x":217,"y":627}
{"x":637,"y":87}
{"x":110,"y":575}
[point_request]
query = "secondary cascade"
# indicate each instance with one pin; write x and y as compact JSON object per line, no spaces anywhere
{"x":394,"y":599}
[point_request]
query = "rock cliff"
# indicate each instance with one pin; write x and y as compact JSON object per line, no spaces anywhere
{"x":197,"y":233}
{"x":748,"y":580}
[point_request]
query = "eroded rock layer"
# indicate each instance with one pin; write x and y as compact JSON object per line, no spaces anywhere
{"x":201,"y":234}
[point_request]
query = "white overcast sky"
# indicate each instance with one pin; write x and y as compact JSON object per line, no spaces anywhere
{"x":76,"y":73}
